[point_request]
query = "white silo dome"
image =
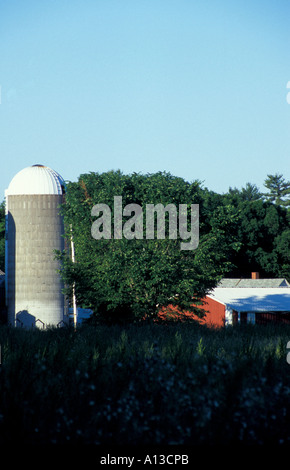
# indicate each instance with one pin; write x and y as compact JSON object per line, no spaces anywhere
{"x":36,"y":179}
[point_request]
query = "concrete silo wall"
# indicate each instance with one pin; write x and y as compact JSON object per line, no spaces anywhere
{"x":34,"y":289}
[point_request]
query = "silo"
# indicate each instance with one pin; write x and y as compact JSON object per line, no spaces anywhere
{"x":34,"y":229}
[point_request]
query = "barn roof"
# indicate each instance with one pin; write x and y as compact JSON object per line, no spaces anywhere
{"x":239,"y":282}
{"x":253,"y":299}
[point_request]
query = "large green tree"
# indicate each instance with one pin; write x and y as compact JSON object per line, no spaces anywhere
{"x":120,"y":278}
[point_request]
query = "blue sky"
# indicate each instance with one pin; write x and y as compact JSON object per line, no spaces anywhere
{"x":195,"y":88}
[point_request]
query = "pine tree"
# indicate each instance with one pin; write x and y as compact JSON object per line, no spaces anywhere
{"x":279,"y":190}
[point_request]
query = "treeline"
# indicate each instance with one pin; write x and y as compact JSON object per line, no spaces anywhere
{"x":240,"y":231}
{"x":264,"y":231}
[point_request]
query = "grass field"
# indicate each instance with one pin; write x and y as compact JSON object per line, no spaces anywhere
{"x":149,"y":384}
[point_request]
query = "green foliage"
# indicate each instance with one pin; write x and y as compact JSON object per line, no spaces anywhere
{"x":149,"y":384}
{"x":240,"y":232}
{"x":132,"y":279}
{"x":263,"y":235}
{"x":278,"y":190}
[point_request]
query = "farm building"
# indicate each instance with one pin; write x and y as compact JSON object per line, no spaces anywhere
{"x":244,"y":301}
{"x":248,"y":301}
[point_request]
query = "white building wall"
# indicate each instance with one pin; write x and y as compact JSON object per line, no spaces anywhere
{"x":228,"y":315}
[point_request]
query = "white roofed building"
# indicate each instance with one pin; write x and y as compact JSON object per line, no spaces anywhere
{"x":252,"y":300}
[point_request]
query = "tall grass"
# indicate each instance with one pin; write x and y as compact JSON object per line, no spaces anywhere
{"x":149,"y":384}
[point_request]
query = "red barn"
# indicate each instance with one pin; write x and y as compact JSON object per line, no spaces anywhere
{"x":244,"y":300}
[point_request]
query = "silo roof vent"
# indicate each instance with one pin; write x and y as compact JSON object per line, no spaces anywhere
{"x":36,"y":179}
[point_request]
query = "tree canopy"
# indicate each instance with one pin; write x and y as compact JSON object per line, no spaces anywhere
{"x":118,"y":278}
{"x":264,"y":237}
